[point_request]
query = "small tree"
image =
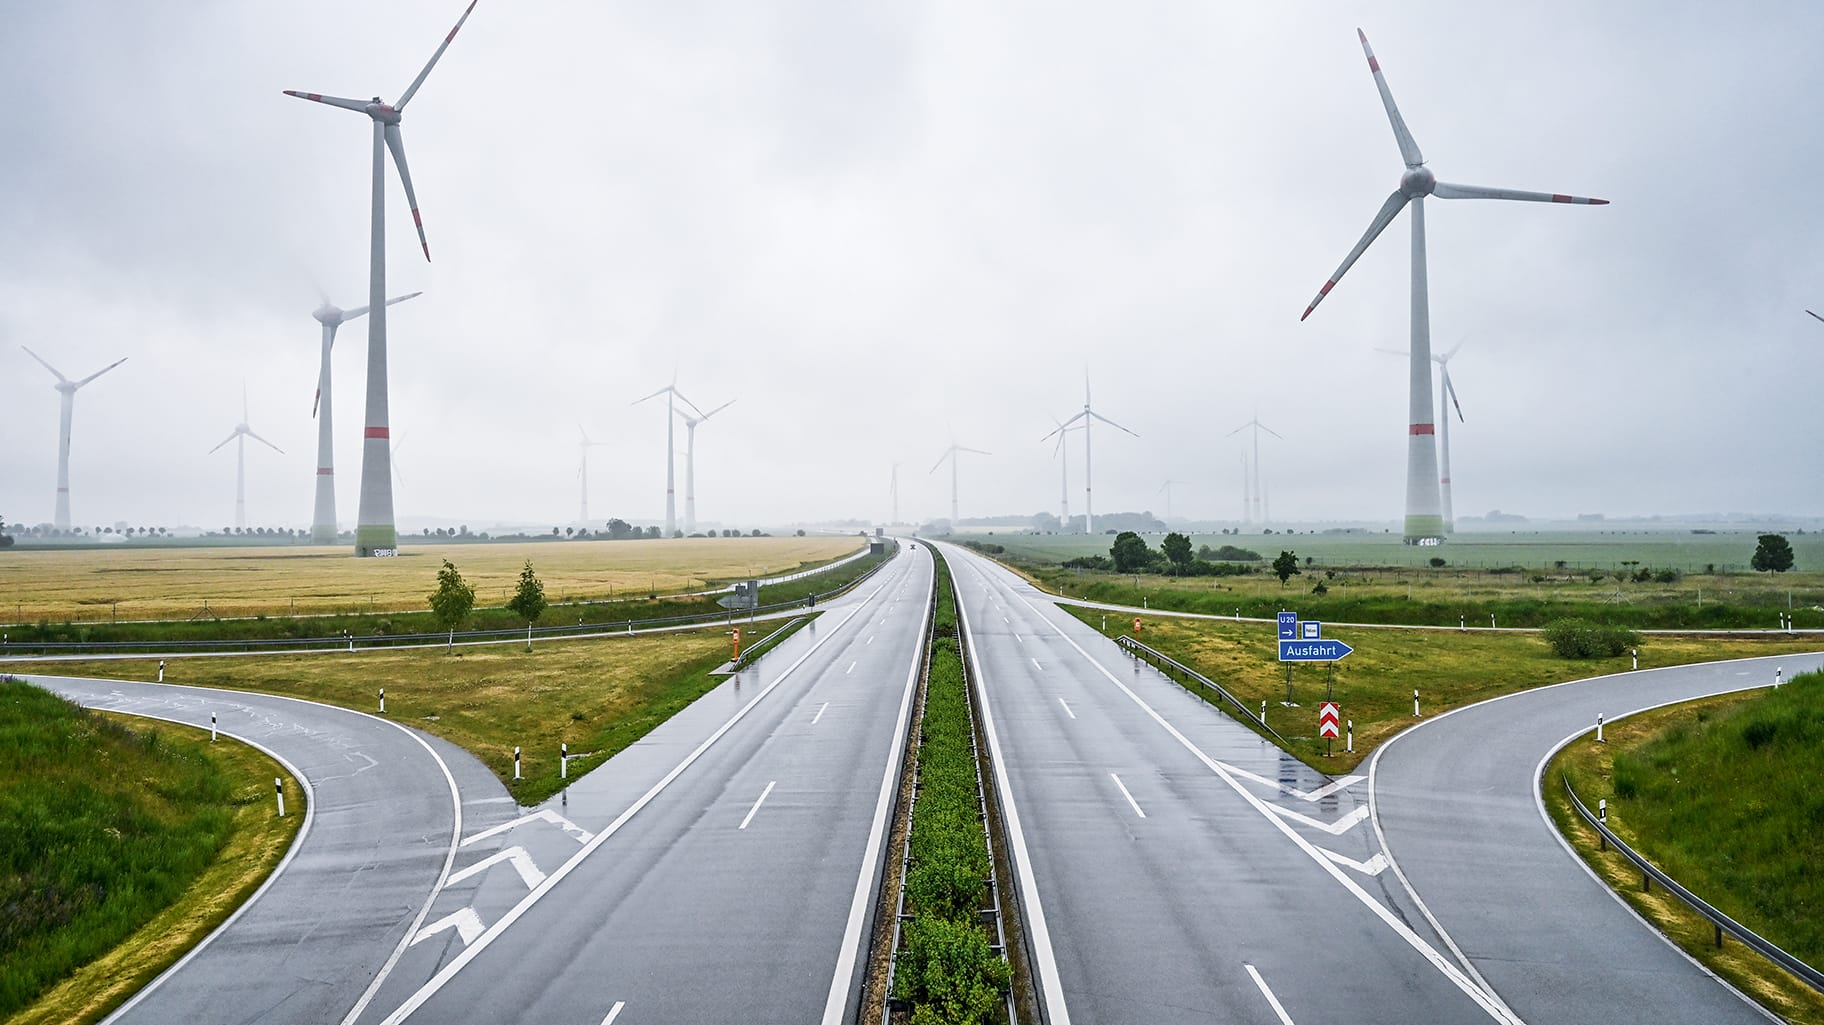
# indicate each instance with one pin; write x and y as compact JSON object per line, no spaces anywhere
{"x":453,"y":600}
{"x":529,"y":600}
{"x":1130,"y":553}
{"x":1774,"y":554}
{"x":1286,"y":566}
{"x":1177,"y":549}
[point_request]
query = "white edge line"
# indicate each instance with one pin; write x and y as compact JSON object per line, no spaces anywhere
{"x":461,"y":961}
{"x":758,"y":801}
{"x":1130,"y":797}
{"x":1045,"y":966}
{"x":837,"y":1003}
{"x":1284,"y":1018}
{"x":614,"y":1012}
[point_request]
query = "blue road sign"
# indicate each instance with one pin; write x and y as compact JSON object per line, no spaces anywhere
{"x":1313,"y":651}
{"x":1310,"y":630}
{"x":1288,"y":626}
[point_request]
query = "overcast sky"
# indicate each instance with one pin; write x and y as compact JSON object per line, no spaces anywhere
{"x":881,"y":226}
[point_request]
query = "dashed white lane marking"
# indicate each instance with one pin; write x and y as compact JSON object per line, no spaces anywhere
{"x":870,"y":640}
{"x":757,"y":804}
{"x":1304,"y":795}
{"x":1035,"y":665}
{"x":1372,"y":867}
{"x":819,"y":714}
{"x":1017,"y":637}
{"x":1337,"y":828}
{"x":1273,"y":1001}
{"x":849,"y":670}
{"x":521,"y":861}
{"x":1130,"y":797}
{"x":1067,"y":710}
{"x":577,"y":833}
{"x":614,"y":1012}
{"x":466,"y":923}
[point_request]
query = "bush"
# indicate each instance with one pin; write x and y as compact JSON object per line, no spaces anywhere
{"x":1580,"y":638}
{"x":1227,"y":553}
{"x":1436,"y":562}
{"x":1090,"y":562}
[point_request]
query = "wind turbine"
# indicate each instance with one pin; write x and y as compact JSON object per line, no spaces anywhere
{"x":1255,"y":423}
{"x":672,"y":395}
{"x":583,"y":446}
{"x":1424,"y":521}
{"x":375,"y":532}
{"x":1087,"y":416}
{"x":1061,"y":452}
{"x":950,"y":454}
{"x":690,"y":461}
{"x":323,"y":521}
{"x":239,"y":436}
{"x":1167,"y":488}
{"x":1445,"y":390}
{"x":1807,"y":311}
{"x":66,"y":394}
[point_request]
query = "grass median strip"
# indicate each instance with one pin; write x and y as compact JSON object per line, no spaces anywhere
{"x":1722,"y":795}
{"x":123,"y":842}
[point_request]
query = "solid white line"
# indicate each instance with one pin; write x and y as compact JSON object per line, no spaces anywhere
{"x":1284,"y":1018}
{"x":849,"y":670}
{"x":1067,"y":710}
{"x":757,"y":803}
{"x":819,"y":714}
{"x":522,"y":863}
{"x":837,"y":1003}
{"x":461,"y":961}
{"x":614,"y":1012}
{"x":1130,"y":797}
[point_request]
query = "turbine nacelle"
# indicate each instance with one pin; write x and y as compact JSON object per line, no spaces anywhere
{"x":327,"y":315}
{"x":1417,"y":182}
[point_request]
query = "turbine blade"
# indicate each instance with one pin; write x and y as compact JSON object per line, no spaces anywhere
{"x":1270,"y":430}
{"x":396,"y":300}
{"x":1447,"y":190}
{"x":977,"y":451}
{"x":348,"y":315}
{"x":949,"y":453}
{"x":1451,"y":390}
{"x":1111,"y":423}
{"x":718,"y":409}
{"x":396,"y":142}
{"x":654,"y":395}
{"x":412,"y":90}
{"x":1392,"y":352}
{"x":266,"y":443}
{"x":1815,"y":316}
{"x":1452,"y":354}
{"x":315,"y":399}
{"x":224,"y":441}
{"x":100,"y":372}
{"x":361,"y":311}
{"x":1409,"y":150}
{"x":66,"y":380}
{"x":1388,"y":211}
{"x":360,"y":106}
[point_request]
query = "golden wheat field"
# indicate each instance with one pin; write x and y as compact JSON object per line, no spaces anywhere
{"x":167,"y":583}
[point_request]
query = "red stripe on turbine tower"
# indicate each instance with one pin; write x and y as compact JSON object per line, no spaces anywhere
{"x":377,"y":432}
{"x":325,"y":471}
{"x":1556,"y":198}
{"x":1420,"y":429}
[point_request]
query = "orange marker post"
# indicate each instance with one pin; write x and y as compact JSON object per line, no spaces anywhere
{"x":736,"y":633}
{"x":1136,"y":624}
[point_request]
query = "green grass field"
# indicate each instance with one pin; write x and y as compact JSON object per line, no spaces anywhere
{"x":122,"y":842}
{"x":1721,"y":794}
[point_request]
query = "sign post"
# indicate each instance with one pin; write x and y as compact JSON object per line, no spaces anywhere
{"x":1304,"y":641}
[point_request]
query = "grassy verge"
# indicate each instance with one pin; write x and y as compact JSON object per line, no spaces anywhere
{"x":1375,"y":684}
{"x":122,"y":843}
{"x":946,"y":968}
{"x":1721,"y":794}
{"x":596,"y":695}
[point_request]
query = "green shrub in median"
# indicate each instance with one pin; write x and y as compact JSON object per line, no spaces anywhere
{"x":1580,"y":638}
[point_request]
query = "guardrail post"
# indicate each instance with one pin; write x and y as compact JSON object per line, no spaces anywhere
{"x":1599,"y":739}
{"x":1415,"y":702}
{"x":278,"y":786}
{"x":516,"y":762}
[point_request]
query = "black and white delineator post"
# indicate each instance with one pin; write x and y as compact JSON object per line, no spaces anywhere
{"x":161,"y":670}
{"x":278,"y":787}
{"x":1637,"y":658}
{"x":211,"y":727}
{"x":383,"y":699}
{"x":563,"y":760}
{"x":1599,"y":739}
{"x":515,"y":762}
{"x":1777,"y":672}
{"x":1351,"y":748}
{"x":1415,"y":703}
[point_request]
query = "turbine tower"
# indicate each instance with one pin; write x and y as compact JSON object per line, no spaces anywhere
{"x":239,"y":436}
{"x":1087,"y":416}
{"x":690,"y":462}
{"x":672,"y":396}
{"x":1167,"y":488}
{"x":323,"y":521}
{"x":375,"y":533}
{"x":583,"y":446}
{"x":66,"y":394}
{"x":950,"y":454}
{"x":1424,"y":519}
{"x":1257,"y":511}
{"x":1445,"y":390}
{"x":1061,"y":452}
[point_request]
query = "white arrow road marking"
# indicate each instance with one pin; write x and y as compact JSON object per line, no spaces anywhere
{"x":614,"y":1012}
{"x":1130,"y":797}
{"x":819,"y":714}
{"x":1337,"y":828}
{"x":1372,"y":867}
{"x":522,"y":863}
{"x":1067,"y":710}
{"x":757,"y":804}
{"x":1304,"y":795}
{"x":1284,"y":1018}
{"x":578,"y":833}
{"x":466,"y":923}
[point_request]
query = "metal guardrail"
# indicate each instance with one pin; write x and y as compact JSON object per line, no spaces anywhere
{"x":1163,"y":662}
{"x":352,"y":642}
{"x":1649,"y":873}
{"x":760,"y":646}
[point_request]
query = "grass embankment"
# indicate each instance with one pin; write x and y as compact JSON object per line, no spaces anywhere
{"x":945,"y":968}
{"x":108,"y":584}
{"x":597,"y":695}
{"x":1722,"y":794}
{"x":1375,"y":684}
{"x":122,"y":843}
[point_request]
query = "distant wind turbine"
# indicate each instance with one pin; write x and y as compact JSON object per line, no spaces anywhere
{"x":583,"y":446}
{"x":1087,"y":416}
{"x":1061,"y":452}
{"x":1167,"y":488}
{"x":950,"y":454}
{"x":239,"y":436}
{"x":1257,"y":512}
{"x":1424,"y":519}
{"x":375,"y":531}
{"x":1445,"y":390}
{"x":690,"y":461}
{"x":672,"y":397}
{"x":66,"y":394}
{"x":323,"y":520}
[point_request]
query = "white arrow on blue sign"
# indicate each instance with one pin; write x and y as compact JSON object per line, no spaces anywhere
{"x":1313,"y":651}
{"x":1288,"y":626}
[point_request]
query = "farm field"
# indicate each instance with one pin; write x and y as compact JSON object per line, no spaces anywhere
{"x":178,"y":583}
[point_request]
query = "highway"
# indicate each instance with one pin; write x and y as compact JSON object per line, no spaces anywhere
{"x":1457,"y":801}
{"x":1172,"y":865}
{"x":724,"y":868}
